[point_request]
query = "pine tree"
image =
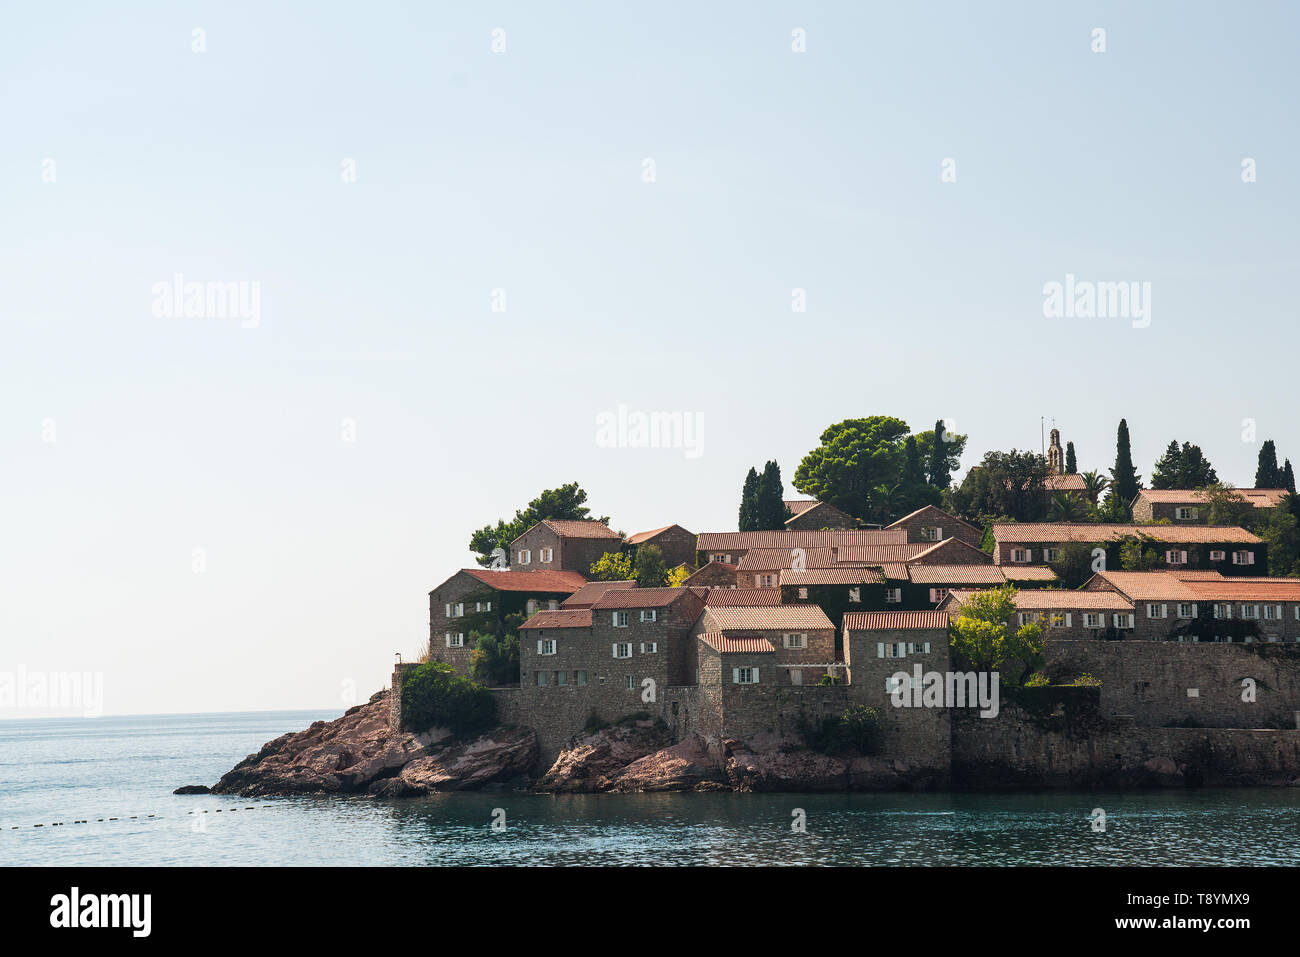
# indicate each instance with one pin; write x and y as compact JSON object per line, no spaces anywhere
{"x":1125,"y":480}
{"x":939,"y":476}
{"x":1168,"y":466}
{"x":1268,"y":475}
{"x":770,"y":511}
{"x":749,"y":503}
{"x":1071,"y":463}
{"x":1288,"y":477}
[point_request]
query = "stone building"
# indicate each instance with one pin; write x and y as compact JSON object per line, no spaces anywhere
{"x":931,"y":524}
{"x":802,"y":638}
{"x":676,"y":543}
{"x":1064,"y":613}
{"x":1189,"y":506}
{"x":563,"y":545}
{"x":811,"y":515}
{"x":731,"y":547}
{"x":483,"y":601}
{"x":713,"y":575}
{"x":1227,"y":549}
{"x":590,"y":593}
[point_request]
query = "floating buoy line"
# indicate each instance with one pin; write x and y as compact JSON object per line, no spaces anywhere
{"x":132,"y":817}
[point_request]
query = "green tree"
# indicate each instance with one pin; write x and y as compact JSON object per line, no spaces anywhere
{"x":1094,"y":484}
{"x":983,"y":638}
{"x":1137,"y":554}
{"x":1125,"y":481}
{"x":770,"y":510}
{"x":1268,"y":475}
{"x":1225,"y":506}
{"x":1071,"y":463}
{"x":565,"y":502}
{"x":1281,"y":533}
{"x":914,"y":489}
{"x":649,"y":568}
{"x":494,"y":660}
{"x":1065,"y":507}
{"x":611,"y":567}
{"x":856,"y":460}
{"x":1183,"y":466}
{"x":677,"y":576}
{"x":1074,"y":565}
{"x":434,"y":696}
{"x":1010,"y":484}
{"x":943,"y":454}
{"x":1288,"y":477}
{"x":749,"y":503}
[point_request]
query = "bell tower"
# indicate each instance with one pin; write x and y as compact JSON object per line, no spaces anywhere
{"x":1055,"y":454}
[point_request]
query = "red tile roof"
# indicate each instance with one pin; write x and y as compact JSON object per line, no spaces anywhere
{"x":539,"y":581}
{"x":774,"y":559}
{"x":832,"y":576}
{"x":1017,"y":532}
{"x":878,"y":554}
{"x":798,"y":506}
{"x":1171,"y":585}
{"x":1068,"y":482}
{"x":767,"y":618}
{"x":587,"y":595}
{"x":957,"y":574}
{"x":1058,"y":598}
{"x":640,"y":597}
{"x":790,"y":538}
{"x":724,"y":645}
{"x":734,"y":597}
{"x":564,"y":618}
{"x":1259,"y":497}
{"x":640,"y":537}
{"x":569,"y":528}
{"x":894,"y":620}
{"x":1025,"y":573}
{"x":947,"y":518}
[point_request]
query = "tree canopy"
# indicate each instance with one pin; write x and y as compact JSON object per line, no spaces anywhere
{"x":565,"y":502}
{"x":1183,"y":467}
{"x":1125,"y":481}
{"x":1011,"y":485}
{"x":984,"y":639}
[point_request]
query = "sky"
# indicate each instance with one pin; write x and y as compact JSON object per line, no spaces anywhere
{"x":465,"y":232}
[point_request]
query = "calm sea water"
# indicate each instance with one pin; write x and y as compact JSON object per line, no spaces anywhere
{"x":69,"y":770}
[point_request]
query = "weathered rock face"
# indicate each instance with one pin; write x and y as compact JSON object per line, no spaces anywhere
{"x":597,"y":759}
{"x":687,"y":766}
{"x":361,"y":752}
{"x":767,"y":762}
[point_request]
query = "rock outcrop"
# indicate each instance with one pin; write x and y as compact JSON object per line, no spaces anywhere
{"x":597,"y":759}
{"x":360,"y":752}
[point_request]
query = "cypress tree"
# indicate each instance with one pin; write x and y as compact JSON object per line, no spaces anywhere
{"x":1125,"y":480}
{"x":1268,"y":475}
{"x":1071,"y":463}
{"x":749,"y":503}
{"x":939,"y":475}
{"x":1288,"y":477}
{"x":770,"y":511}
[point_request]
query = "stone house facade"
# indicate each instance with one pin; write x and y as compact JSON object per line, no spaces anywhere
{"x":801,"y":638}
{"x":1188,"y":506}
{"x":555,"y":545}
{"x":1229,"y":550}
{"x":676,"y":543}
{"x":931,"y":524}
{"x":813,"y":515}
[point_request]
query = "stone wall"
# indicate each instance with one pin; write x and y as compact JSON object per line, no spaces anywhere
{"x":1149,"y":680}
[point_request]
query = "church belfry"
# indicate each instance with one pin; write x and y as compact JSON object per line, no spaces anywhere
{"x":1055,"y":455}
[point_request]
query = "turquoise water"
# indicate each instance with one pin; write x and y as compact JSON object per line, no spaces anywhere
{"x":69,"y":770}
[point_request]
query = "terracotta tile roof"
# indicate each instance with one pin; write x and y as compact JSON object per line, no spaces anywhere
{"x":747,"y":646}
{"x":713,"y":567}
{"x":568,"y":528}
{"x":640,"y":537}
{"x":798,"y":506}
{"x":740,"y":597}
{"x":1237,"y":589}
{"x":1026,"y":573}
{"x":878,"y":554}
{"x":564,"y":618}
{"x":957,"y":574}
{"x":1069,"y":482}
{"x":585,"y":596}
{"x":640,"y":597}
{"x":790,"y":538}
{"x":942,"y":518}
{"x":539,"y":581}
{"x":832,"y":576}
{"x":894,"y":620}
{"x":1032,"y":599}
{"x":1201,"y":586}
{"x":1259,"y":497}
{"x":774,"y":559}
{"x":767,"y":618}
{"x":894,"y":571}
{"x":1150,"y":586}
{"x":1017,"y":532}
{"x":959,"y":548}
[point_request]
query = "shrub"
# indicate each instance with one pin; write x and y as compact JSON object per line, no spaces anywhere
{"x":857,"y":729}
{"x":1037,"y":680}
{"x":433,"y":695}
{"x":594,"y":723}
{"x":494,"y":660}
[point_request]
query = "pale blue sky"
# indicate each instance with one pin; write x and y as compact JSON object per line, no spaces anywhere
{"x":522,"y":171}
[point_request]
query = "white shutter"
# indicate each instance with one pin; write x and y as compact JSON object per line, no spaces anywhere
{"x":880,"y":649}
{"x":448,"y":639}
{"x":614,"y":647}
{"x":1250,"y":558}
{"x":927,"y":647}
{"x":613,"y":616}
{"x":1029,"y":554}
{"x":1069,"y":620}
{"x":938,"y":534}
{"x":735,"y":676}
{"x":1193,"y":609}
{"x":539,"y":646}
{"x":1279,"y":612}
{"x":1164,"y":611}
{"x":755,"y":676}
{"x":448,"y":609}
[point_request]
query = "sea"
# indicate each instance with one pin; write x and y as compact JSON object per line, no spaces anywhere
{"x":97,"y":791}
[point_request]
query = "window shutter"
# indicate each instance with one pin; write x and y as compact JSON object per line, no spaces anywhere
{"x":755,"y":676}
{"x":880,"y":649}
{"x":735,"y":676}
{"x":613,"y":617}
{"x":448,"y":639}
{"x":1279,"y":612}
{"x":539,"y":646}
{"x":1193,"y":609}
{"x":1068,"y":619}
{"x":449,"y":610}
{"x":614,"y":648}
{"x":1250,"y":558}
{"x":927,"y":647}
{"x":1029,"y":554}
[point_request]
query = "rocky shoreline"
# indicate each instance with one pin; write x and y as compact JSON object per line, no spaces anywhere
{"x":360,"y":753}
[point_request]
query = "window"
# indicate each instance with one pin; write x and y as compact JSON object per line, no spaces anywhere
{"x":931,"y":534}
{"x":1157,"y":611}
{"x":532,"y":605}
{"x":649,"y":615}
{"x":938,"y":594}
{"x":1123,"y":620}
{"x":1186,"y":610}
{"x":1059,"y":620}
{"x":546,"y":646}
{"x":1272,"y":612}
{"x":649,"y":647}
{"x":795,"y":641}
{"x":580,"y":679}
{"x":561,"y":678}
{"x":1051,"y":554}
{"x":719,"y":557}
{"x":630,"y":683}
{"x":541,"y":679}
{"x":1022,"y":554}
{"x":890,"y":650}
{"x":623,"y":649}
{"x":482,"y":606}
{"x":1216,"y":555}
{"x":1243,"y":558}
{"x":620,"y":619}
{"x":456,"y":610}
{"x":1222,"y":610}
{"x":918,"y":647}
{"x":744,"y":676}
{"x":525,"y":556}
{"x":545,"y":554}
{"x":456,"y":639}
{"x":1091,"y":620}
{"x":1028,"y":617}
{"x":803,"y":593}
{"x":893,"y":595}
{"x":1249,"y":611}
{"x":1175,"y":557}
{"x":764,"y":581}
{"x":1185,"y":514}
